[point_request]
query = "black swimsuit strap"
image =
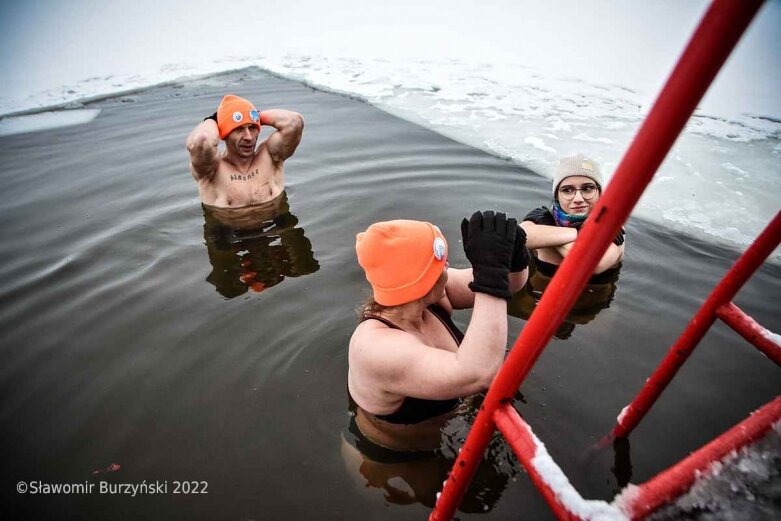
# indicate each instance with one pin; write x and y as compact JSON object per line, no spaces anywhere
{"x":436,"y":310}
{"x":444,"y":317}
{"x":385,"y":321}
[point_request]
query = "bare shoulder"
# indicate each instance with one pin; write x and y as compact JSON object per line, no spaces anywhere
{"x":371,"y":332}
{"x":376,"y":348}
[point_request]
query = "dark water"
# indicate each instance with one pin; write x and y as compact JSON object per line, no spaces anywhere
{"x":140,"y":329}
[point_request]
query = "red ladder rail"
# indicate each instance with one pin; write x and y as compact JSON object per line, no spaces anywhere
{"x":716,"y":36}
{"x":561,"y":496}
{"x":671,"y":483}
{"x":717,"y":305}
{"x":749,"y":329}
{"x":637,"y":501}
{"x":521,"y":439}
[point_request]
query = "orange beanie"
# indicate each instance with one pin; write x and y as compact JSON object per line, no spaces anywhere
{"x":402,"y":259}
{"x":234,"y":112}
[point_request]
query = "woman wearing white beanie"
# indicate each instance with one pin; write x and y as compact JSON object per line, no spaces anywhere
{"x":550,"y":233}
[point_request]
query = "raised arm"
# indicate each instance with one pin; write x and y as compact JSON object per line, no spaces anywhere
{"x":489,"y":241}
{"x":458,"y":293}
{"x":405,"y":366}
{"x":399,"y":363}
{"x":202,"y":144}
{"x":290,"y":125}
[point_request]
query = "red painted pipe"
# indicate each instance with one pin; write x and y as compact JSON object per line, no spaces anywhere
{"x":519,"y":437}
{"x":749,"y":329}
{"x":716,"y":36}
{"x":723,"y":293}
{"x":676,"y":480}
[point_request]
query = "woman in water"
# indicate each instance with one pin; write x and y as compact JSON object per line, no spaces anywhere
{"x":409,"y":364}
{"x":551,"y":233}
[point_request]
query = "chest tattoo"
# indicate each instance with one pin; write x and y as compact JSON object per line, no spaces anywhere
{"x":240,"y":177}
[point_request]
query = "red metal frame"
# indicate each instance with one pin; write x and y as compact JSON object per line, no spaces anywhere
{"x":716,"y":36}
{"x":749,"y":329}
{"x":519,"y":436}
{"x":719,"y":302}
{"x":676,"y":480}
{"x":657,"y":491}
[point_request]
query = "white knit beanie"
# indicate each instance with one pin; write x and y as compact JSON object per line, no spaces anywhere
{"x":577,"y":165}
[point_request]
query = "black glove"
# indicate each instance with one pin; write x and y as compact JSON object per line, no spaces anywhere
{"x":520,"y":260}
{"x":213,"y":116}
{"x":488,"y":244}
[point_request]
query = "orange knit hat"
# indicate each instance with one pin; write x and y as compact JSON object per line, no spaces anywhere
{"x":402,"y":259}
{"x":234,"y":112}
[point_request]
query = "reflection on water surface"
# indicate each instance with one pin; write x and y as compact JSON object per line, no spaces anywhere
{"x":408,"y":463}
{"x":255,"y":247}
{"x":596,"y":296}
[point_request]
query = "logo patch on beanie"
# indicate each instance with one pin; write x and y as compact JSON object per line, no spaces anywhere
{"x":237,"y":116}
{"x":439,"y":248}
{"x":586,"y":165}
{"x":253,"y":115}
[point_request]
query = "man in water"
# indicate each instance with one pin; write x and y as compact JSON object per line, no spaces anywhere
{"x":245,"y":173}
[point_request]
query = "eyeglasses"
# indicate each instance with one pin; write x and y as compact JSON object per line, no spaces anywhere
{"x":587,"y":191}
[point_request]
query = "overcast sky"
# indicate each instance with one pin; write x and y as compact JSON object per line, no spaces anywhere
{"x":47,"y":43}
